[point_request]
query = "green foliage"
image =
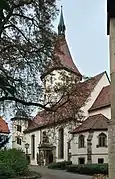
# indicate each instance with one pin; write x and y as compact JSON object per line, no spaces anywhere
{"x":6,"y":171}
{"x":89,"y":169}
{"x":12,"y":163}
{"x":59,"y":165}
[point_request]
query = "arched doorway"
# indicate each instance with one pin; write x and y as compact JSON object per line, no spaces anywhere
{"x":50,"y":157}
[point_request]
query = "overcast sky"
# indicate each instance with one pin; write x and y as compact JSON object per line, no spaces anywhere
{"x":86,"y":34}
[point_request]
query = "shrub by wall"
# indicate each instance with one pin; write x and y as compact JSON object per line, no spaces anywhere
{"x":59,"y":165}
{"x":12,"y":163}
{"x":89,"y":169}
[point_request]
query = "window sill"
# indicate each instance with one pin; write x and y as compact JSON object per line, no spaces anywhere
{"x":98,"y":146}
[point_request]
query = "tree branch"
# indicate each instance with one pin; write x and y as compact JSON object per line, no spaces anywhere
{"x":23,"y":16}
{"x":5,"y":98}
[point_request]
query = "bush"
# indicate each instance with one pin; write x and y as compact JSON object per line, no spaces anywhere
{"x":12,"y":163}
{"x":89,"y":169}
{"x":6,"y":171}
{"x":59,"y":165}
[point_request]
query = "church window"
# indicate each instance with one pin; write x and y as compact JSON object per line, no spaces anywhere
{"x":45,"y":137}
{"x":61,"y":143}
{"x":19,"y":128}
{"x":102,"y":140}
{"x":19,"y":141}
{"x":81,"y":141}
{"x":33,"y":146}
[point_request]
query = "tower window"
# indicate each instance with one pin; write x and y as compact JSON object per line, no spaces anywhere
{"x":51,"y":79}
{"x":19,"y":128}
{"x":19,"y":141}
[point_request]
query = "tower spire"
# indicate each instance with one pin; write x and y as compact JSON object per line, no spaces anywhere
{"x":61,"y":26}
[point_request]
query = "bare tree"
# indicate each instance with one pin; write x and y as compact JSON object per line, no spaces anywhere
{"x":27,"y":42}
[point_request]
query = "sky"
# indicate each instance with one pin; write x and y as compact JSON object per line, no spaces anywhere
{"x":86,"y":34}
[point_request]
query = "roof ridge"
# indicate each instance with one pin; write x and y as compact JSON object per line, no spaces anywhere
{"x":98,"y":115}
{"x":106,"y":86}
{"x":101,"y":73}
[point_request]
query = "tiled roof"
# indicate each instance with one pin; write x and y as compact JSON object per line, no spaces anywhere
{"x":103,"y":99}
{"x":66,"y":112}
{"x":3,"y":126}
{"x":62,"y":58}
{"x":95,"y":122}
{"x":66,"y":58}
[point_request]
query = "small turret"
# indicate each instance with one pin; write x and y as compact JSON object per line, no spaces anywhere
{"x":19,"y":124}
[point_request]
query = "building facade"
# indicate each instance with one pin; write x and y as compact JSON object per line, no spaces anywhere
{"x":90,"y":140}
{"x":51,"y":136}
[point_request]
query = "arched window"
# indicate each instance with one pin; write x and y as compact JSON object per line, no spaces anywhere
{"x":81,"y":141}
{"x":102,"y":140}
{"x":45,"y":137}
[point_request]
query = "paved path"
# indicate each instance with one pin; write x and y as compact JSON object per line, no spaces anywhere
{"x":57,"y":174}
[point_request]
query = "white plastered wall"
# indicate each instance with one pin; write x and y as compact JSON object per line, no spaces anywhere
{"x":15,"y":133}
{"x":97,"y":152}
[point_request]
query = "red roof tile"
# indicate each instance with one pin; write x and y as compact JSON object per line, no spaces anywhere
{"x":62,"y":58}
{"x":103,"y":99}
{"x":3,"y":126}
{"x":66,"y":58}
{"x":95,"y":122}
{"x":66,"y":112}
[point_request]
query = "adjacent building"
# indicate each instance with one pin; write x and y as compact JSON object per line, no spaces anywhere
{"x":90,"y":139}
{"x":4,"y":133}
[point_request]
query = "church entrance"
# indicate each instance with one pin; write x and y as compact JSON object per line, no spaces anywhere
{"x":46,"y":154}
{"x":50,"y":157}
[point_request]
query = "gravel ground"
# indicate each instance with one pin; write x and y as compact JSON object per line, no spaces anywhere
{"x":57,"y":174}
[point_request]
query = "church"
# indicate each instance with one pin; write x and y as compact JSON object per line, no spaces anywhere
{"x":50,"y":137}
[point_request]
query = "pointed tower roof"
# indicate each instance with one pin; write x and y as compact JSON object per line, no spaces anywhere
{"x":61,"y":26}
{"x":62,"y":55}
{"x":20,"y":115}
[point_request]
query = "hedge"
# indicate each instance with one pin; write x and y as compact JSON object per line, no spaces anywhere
{"x":59,"y":165}
{"x":12,"y":163}
{"x":89,"y":169}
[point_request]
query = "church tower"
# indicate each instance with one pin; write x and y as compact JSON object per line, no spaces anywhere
{"x":63,"y":67}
